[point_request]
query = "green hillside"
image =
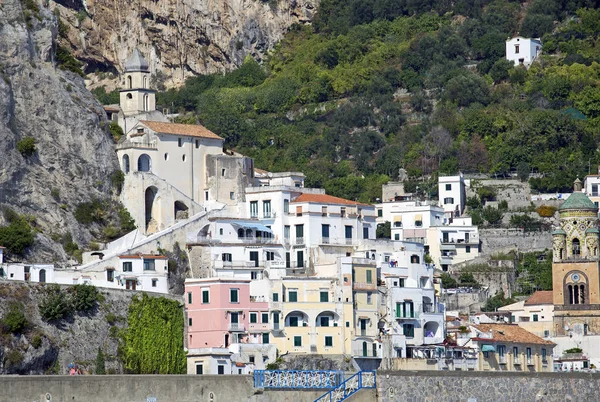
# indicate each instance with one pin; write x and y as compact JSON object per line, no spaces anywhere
{"x":375,"y":85}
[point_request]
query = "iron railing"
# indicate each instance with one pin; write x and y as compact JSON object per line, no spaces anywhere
{"x":293,"y":379}
{"x":362,"y":379}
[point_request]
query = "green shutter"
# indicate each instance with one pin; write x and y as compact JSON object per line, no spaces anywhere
{"x":369,"y":276}
{"x":297,"y":341}
{"x":324,"y":297}
{"x":205,"y":296}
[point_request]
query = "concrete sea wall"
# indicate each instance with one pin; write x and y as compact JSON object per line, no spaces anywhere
{"x":460,"y":386}
{"x":392,"y":386}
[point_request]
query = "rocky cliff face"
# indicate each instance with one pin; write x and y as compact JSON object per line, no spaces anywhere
{"x":178,"y":37}
{"x":74,"y":154}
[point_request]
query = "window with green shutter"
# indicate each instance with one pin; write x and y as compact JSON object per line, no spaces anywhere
{"x":253,"y":318}
{"x":369,"y":276}
{"x":233,"y":296}
{"x":265,"y":318}
{"x":275,"y":296}
{"x":189,"y":297}
{"x":297,"y":341}
{"x":265,"y":337}
{"x":329,"y":341}
{"x":205,"y":296}
{"x":293,"y":296}
{"x":324,"y":296}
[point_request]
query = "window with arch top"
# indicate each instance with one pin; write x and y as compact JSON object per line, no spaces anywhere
{"x":129,"y":82}
{"x":576,"y":247}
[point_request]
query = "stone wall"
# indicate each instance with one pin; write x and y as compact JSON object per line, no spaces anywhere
{"x":460,"y":386}
{"x":500,"y":240}
{"x":151,"y":388}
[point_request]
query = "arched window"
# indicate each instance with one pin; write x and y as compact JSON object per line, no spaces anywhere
{"x":145,"y":81}
{"x":42,"y":276}
{"x":414,"y":259}
{"x":126,"y":163}
{"x":576,"y":247}
{"x":129,"y":96}
{"x":240,"y":232}
{"x":144,"y":163}
{"x":581,"y":294}
{"x":146,"y":103}
{"x":129,"y":82}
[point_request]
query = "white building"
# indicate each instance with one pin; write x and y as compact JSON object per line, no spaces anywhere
{"x":37,"y":273}
{"x":522,"y":51}
{"x":591,"y":186}
{"x":447,"y":239}
{"x":452,"y":195}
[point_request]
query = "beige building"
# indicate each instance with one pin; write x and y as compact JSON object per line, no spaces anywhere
{"x":536,"y":314}
{"x":508,"y":347}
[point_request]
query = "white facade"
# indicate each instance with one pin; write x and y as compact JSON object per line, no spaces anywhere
{"x":414,"y":316}
{"x":37,"y":273}
{"x":522,"y":51}
{"x":591,"y":187}
{"x":448,"y":240}
{"x":452,"y":195}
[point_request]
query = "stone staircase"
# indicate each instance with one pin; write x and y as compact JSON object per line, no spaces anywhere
{"x":358,"y":381}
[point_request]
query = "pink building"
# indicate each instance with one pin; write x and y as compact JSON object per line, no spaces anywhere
{"x":220,"y":313}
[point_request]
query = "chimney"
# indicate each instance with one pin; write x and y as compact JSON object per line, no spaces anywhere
{"x":577,"y":185}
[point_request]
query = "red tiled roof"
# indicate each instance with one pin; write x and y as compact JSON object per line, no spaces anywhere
{"x":326,"y":199}
{"x":540,"y":297}
{"x":193,"y":130}
{"x":510,"y":333}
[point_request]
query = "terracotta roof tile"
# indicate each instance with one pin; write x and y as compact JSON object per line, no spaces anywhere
{"x":193,"y":130}
{"x":540,"y":297}
{"x":326,"y":199}
{"x":147,"y":256}
{"x":510,"y":333}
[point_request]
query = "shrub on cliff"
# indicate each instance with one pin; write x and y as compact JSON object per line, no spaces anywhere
{"x":14,"y":320}
{"x":55,"y":305}
{"x":17,"y":236}
{"x":26,"y":146}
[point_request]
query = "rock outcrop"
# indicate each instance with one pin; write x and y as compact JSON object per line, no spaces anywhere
{"x":74,"y":154}
{"x":179,"y":38}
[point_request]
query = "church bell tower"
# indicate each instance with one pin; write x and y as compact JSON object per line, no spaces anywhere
{"x":136,"y":97}
{"x":575,"y":266}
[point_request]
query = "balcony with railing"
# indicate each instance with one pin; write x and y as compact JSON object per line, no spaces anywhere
{"x":502,"y":359}
{"x":128,"y":144}
{"x":299,"y":241}
{"x":241,"y":240}
{"x":259,"y":327}
{"x":406,"y":314}
{"x":325,"y":240}
{"x":349,"y":241}
{"x":236,"y":327}
{"x":365,"y":353}
{"x":364,"y":286}
{"x":219,"y":264}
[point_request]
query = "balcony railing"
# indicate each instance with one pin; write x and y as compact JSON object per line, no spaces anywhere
{"x":244,"y":240}
{"x":349,"y":241}
{"x":218,"y":264}
{"x":324,"y":240}
{"x":502,"y":359}
{"x":299,"y":241}
{"x":237,"y":327}
{"x":364,"y":353}
{"x":530,"y":361}
{"x":406,"y":314}
{"x":364,"y":286}
{"x":128,"y":144}
{"x":258,"y":327}
{"x":516,"y":361}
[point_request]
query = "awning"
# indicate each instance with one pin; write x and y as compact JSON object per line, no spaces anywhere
{"x":252,"y":225}
{"x":418,"y":217}
{"x":488,"y":348}
{"x":398,"y":218}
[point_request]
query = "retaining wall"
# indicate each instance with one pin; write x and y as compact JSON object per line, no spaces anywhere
{"x":151,"y":388}
{"x":460,"y":386}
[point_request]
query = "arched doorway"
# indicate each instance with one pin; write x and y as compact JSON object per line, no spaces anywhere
{"x":126,"y":163}
{"x":151,"y":209}
{"x":42,"y":276}
{"x":144,"y":163}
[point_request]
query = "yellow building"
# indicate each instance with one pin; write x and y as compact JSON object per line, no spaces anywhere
{"x":366,"y":304}
{"x":508,"y":347}
{"x":310,"y":315}
{"x":575,"y":266}
{"x":536,"y":314}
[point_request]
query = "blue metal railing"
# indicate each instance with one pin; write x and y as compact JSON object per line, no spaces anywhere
{"x":360,"y":380}
{"x":291,"y":379}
